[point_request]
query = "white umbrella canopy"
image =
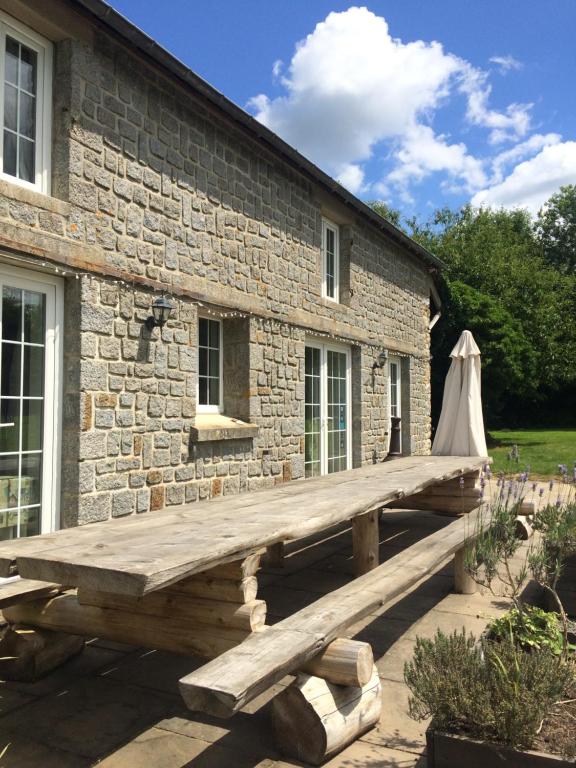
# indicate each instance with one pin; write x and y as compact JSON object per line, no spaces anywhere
{"x":461,"y":426}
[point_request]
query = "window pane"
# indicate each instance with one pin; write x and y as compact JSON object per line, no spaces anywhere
{"x":203,"y":391}
{"x":203,"y":362}
{"x":32,"y":425}
{"x":10,"y":108}
{"x":11,"y":313}
{"x":203,"y":332}
{"x":330,"y":286}
{"x":10,"y":370}
{"x":9,"y":414}
{"x":11,"y":61}
{"x":30,"y":521}
{"x":26,"y":160}
{"x":8,"y":483}
{"x":330,"y":241}
{"x":214,"y":334}
{"x":27,"y":116}
{"x":9,"y":152}
{"x":214,"y":362}
{"x":33,"y":367}
{"x":30,"y":482}
{"x":28,"y":59}
{"x":214,"y":390}
{"x":34,"y":317}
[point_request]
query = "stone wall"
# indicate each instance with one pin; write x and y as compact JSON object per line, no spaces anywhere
{"x":162,"y":187}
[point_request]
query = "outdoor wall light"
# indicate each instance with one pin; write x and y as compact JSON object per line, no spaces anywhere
{"x":380,"y":361}
{"x":161,"y":311}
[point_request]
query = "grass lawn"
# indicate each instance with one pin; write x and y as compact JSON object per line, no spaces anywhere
{"x":540,"y":449}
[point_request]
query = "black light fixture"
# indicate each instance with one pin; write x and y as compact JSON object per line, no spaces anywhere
{"x":380,"y":361}
{"x":161,"y":311}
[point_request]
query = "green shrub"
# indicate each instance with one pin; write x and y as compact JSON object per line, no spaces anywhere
{"x":488,"y":690}
{"x":529,"y":627}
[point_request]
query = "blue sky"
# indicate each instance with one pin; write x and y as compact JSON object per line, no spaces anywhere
{"x":422,"y":104}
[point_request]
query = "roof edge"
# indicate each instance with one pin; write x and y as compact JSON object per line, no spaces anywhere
{"x":147,"y":45}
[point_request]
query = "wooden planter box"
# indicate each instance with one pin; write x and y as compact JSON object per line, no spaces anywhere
{"x":448,"y":750}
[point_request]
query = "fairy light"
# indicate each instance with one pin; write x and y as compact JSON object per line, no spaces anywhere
{"x":224,"y":314}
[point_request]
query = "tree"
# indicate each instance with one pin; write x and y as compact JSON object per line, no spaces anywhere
{"x":556,"y":229}
{"x":508,"y":359}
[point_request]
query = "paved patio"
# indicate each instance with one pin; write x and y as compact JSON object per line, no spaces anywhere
{"x":119,"y":707}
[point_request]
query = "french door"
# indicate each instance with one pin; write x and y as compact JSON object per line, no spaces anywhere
{"x":395,"y":392}
{"x":30,"y":328}
{"x":327,"y":441}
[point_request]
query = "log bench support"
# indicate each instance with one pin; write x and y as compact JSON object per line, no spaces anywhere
{"x":313,"y":719}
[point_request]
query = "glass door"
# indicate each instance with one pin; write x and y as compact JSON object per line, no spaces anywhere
{"x":394,"y":389}
{"x":28,"y":404}
{"x":327,"y":409}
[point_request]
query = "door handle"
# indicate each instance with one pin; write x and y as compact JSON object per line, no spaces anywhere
{"x":7,"y":424}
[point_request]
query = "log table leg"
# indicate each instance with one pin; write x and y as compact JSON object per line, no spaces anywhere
{"x":27,"y":654}
{"x":314,"y":719}
{"x":365,"y":541}
{"x":464,"y":584}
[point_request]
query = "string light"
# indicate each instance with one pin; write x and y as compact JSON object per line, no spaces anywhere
{"x":221,"y":314}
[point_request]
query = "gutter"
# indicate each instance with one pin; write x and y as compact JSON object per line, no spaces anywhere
{"x":145,"y":44}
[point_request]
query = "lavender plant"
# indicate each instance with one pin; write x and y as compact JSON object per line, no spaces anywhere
{"x":494,"y":542}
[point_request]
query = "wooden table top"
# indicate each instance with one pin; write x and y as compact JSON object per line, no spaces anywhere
{"x":141,"y":553}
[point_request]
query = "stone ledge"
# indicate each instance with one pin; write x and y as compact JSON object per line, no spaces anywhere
{"x":214,"y":426}
{"x":21,"y":194}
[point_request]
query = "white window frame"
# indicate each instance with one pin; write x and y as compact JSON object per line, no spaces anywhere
{"x":202,"y":408}
{"x":53,"y":287}
{"x":327,"y":224}
{"x":397,"y":361}
{"x":324,"y":349}
{"x":44,"y":50}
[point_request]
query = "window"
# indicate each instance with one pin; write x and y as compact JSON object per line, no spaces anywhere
{"x":330,"y":260}
{"x":25,"y":105}
{"x":209,"y":365}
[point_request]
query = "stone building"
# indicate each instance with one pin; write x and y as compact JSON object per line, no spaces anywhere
{"x":300,"y":319}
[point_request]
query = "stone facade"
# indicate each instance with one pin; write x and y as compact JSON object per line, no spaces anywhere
{"x":153,"y":187}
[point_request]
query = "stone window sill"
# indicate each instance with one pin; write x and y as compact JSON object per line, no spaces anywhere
{"x":214,"y":426}
{"x":20,"y":194}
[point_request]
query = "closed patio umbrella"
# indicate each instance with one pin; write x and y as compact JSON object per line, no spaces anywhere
{"x":461,"y":426}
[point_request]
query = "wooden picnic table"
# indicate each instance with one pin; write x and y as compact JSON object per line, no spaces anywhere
{"x":139,"y":554}
{"x":184,"y":580}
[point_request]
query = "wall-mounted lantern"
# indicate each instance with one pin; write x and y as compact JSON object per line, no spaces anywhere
{"x":380,"y":361}
{"x":161,"y":311}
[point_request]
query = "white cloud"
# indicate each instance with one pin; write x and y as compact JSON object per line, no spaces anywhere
{"x":353,"y":94}
{"x":532,"y":182}
{"x":506,"y":63}
{"x":511,"y":124}
{"x":423,"y":153}
{"x":350,"y":85}
{"x":351,"y":176}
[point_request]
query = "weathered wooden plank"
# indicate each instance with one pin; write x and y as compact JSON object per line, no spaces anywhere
{"x":228,"y":683}
{"x":178,"y":634}
{"x":22,"y":590}
{"x":137,"y":559}
{"x":249,"y":616}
